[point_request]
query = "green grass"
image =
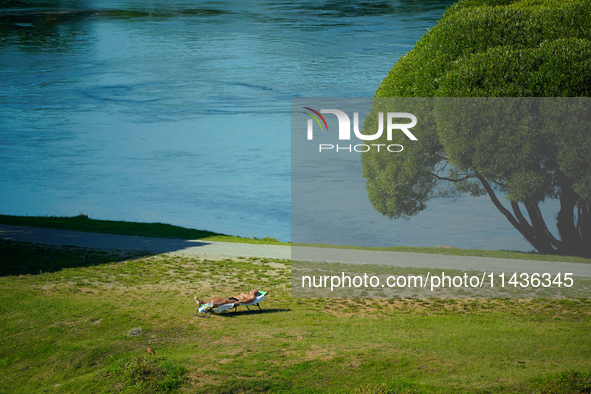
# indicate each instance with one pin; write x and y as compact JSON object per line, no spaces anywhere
{"x":147,"y":374}
{"x":82,"y":222}
{"x":64,"y":329}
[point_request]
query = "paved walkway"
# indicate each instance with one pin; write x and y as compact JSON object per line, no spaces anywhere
{"x":227,"y":249}
{"x":424,"y":260}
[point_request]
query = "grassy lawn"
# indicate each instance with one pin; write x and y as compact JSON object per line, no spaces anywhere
{"x":67,"y":313}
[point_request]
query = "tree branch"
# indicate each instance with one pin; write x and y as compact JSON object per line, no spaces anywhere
{"x":497,"y":203}
{"x":527,"y":232}
{"x":537,"y":221}
{"x":500,"y":183}
{"x":454,"y":180}
{"x":519,"y":215}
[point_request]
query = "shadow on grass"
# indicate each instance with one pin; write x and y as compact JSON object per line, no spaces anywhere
{"x":99,"y":239}
{"x":244,"y":312}
{"x":23,"y":258}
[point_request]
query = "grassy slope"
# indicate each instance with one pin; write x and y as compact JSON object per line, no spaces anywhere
{"x":64,"y":330}
{"x":159,"y":230}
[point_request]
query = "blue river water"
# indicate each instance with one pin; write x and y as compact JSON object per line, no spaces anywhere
{"x":179,"y":112}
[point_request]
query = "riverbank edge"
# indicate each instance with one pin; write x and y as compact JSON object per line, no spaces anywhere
{"x":83,"y":223}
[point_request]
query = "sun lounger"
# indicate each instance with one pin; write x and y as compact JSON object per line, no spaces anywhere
{"x":206,"y":308}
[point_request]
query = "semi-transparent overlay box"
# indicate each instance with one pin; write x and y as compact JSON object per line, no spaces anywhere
{"x":357,"y":160}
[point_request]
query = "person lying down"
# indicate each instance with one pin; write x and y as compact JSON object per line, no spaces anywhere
{"x":243,"y":298}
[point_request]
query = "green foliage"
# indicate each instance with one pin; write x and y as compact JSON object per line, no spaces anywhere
{"x":399,"y":185}
{"x":499,"y":49}
{"x":484,"y":49}
{"x":267,"y":239}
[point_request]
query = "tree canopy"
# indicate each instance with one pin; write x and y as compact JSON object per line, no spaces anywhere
{"x":487,"y":49}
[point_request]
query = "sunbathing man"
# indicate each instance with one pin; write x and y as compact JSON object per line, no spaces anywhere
{"x":243,"y":298}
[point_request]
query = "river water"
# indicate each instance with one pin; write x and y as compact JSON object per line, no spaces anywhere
{"x":179,"y":111}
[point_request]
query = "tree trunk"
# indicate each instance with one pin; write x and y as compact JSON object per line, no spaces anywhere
{"x":529,"y":232}
{"x":575,"y":232}
{"x":584,"y":226}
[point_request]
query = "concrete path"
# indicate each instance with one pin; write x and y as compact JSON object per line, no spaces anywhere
{"x":424,"y":260}
{"x":226,"y":249}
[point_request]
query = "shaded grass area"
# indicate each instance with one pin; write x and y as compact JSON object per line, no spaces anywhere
{"x":22,"y":259}
{"x":158,"y":230}
{"x":65,"y":330}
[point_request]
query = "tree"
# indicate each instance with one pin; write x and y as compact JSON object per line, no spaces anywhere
{"x":485,"y":49}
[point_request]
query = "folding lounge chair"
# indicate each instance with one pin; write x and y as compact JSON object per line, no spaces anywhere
{"x":206,"y":308}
